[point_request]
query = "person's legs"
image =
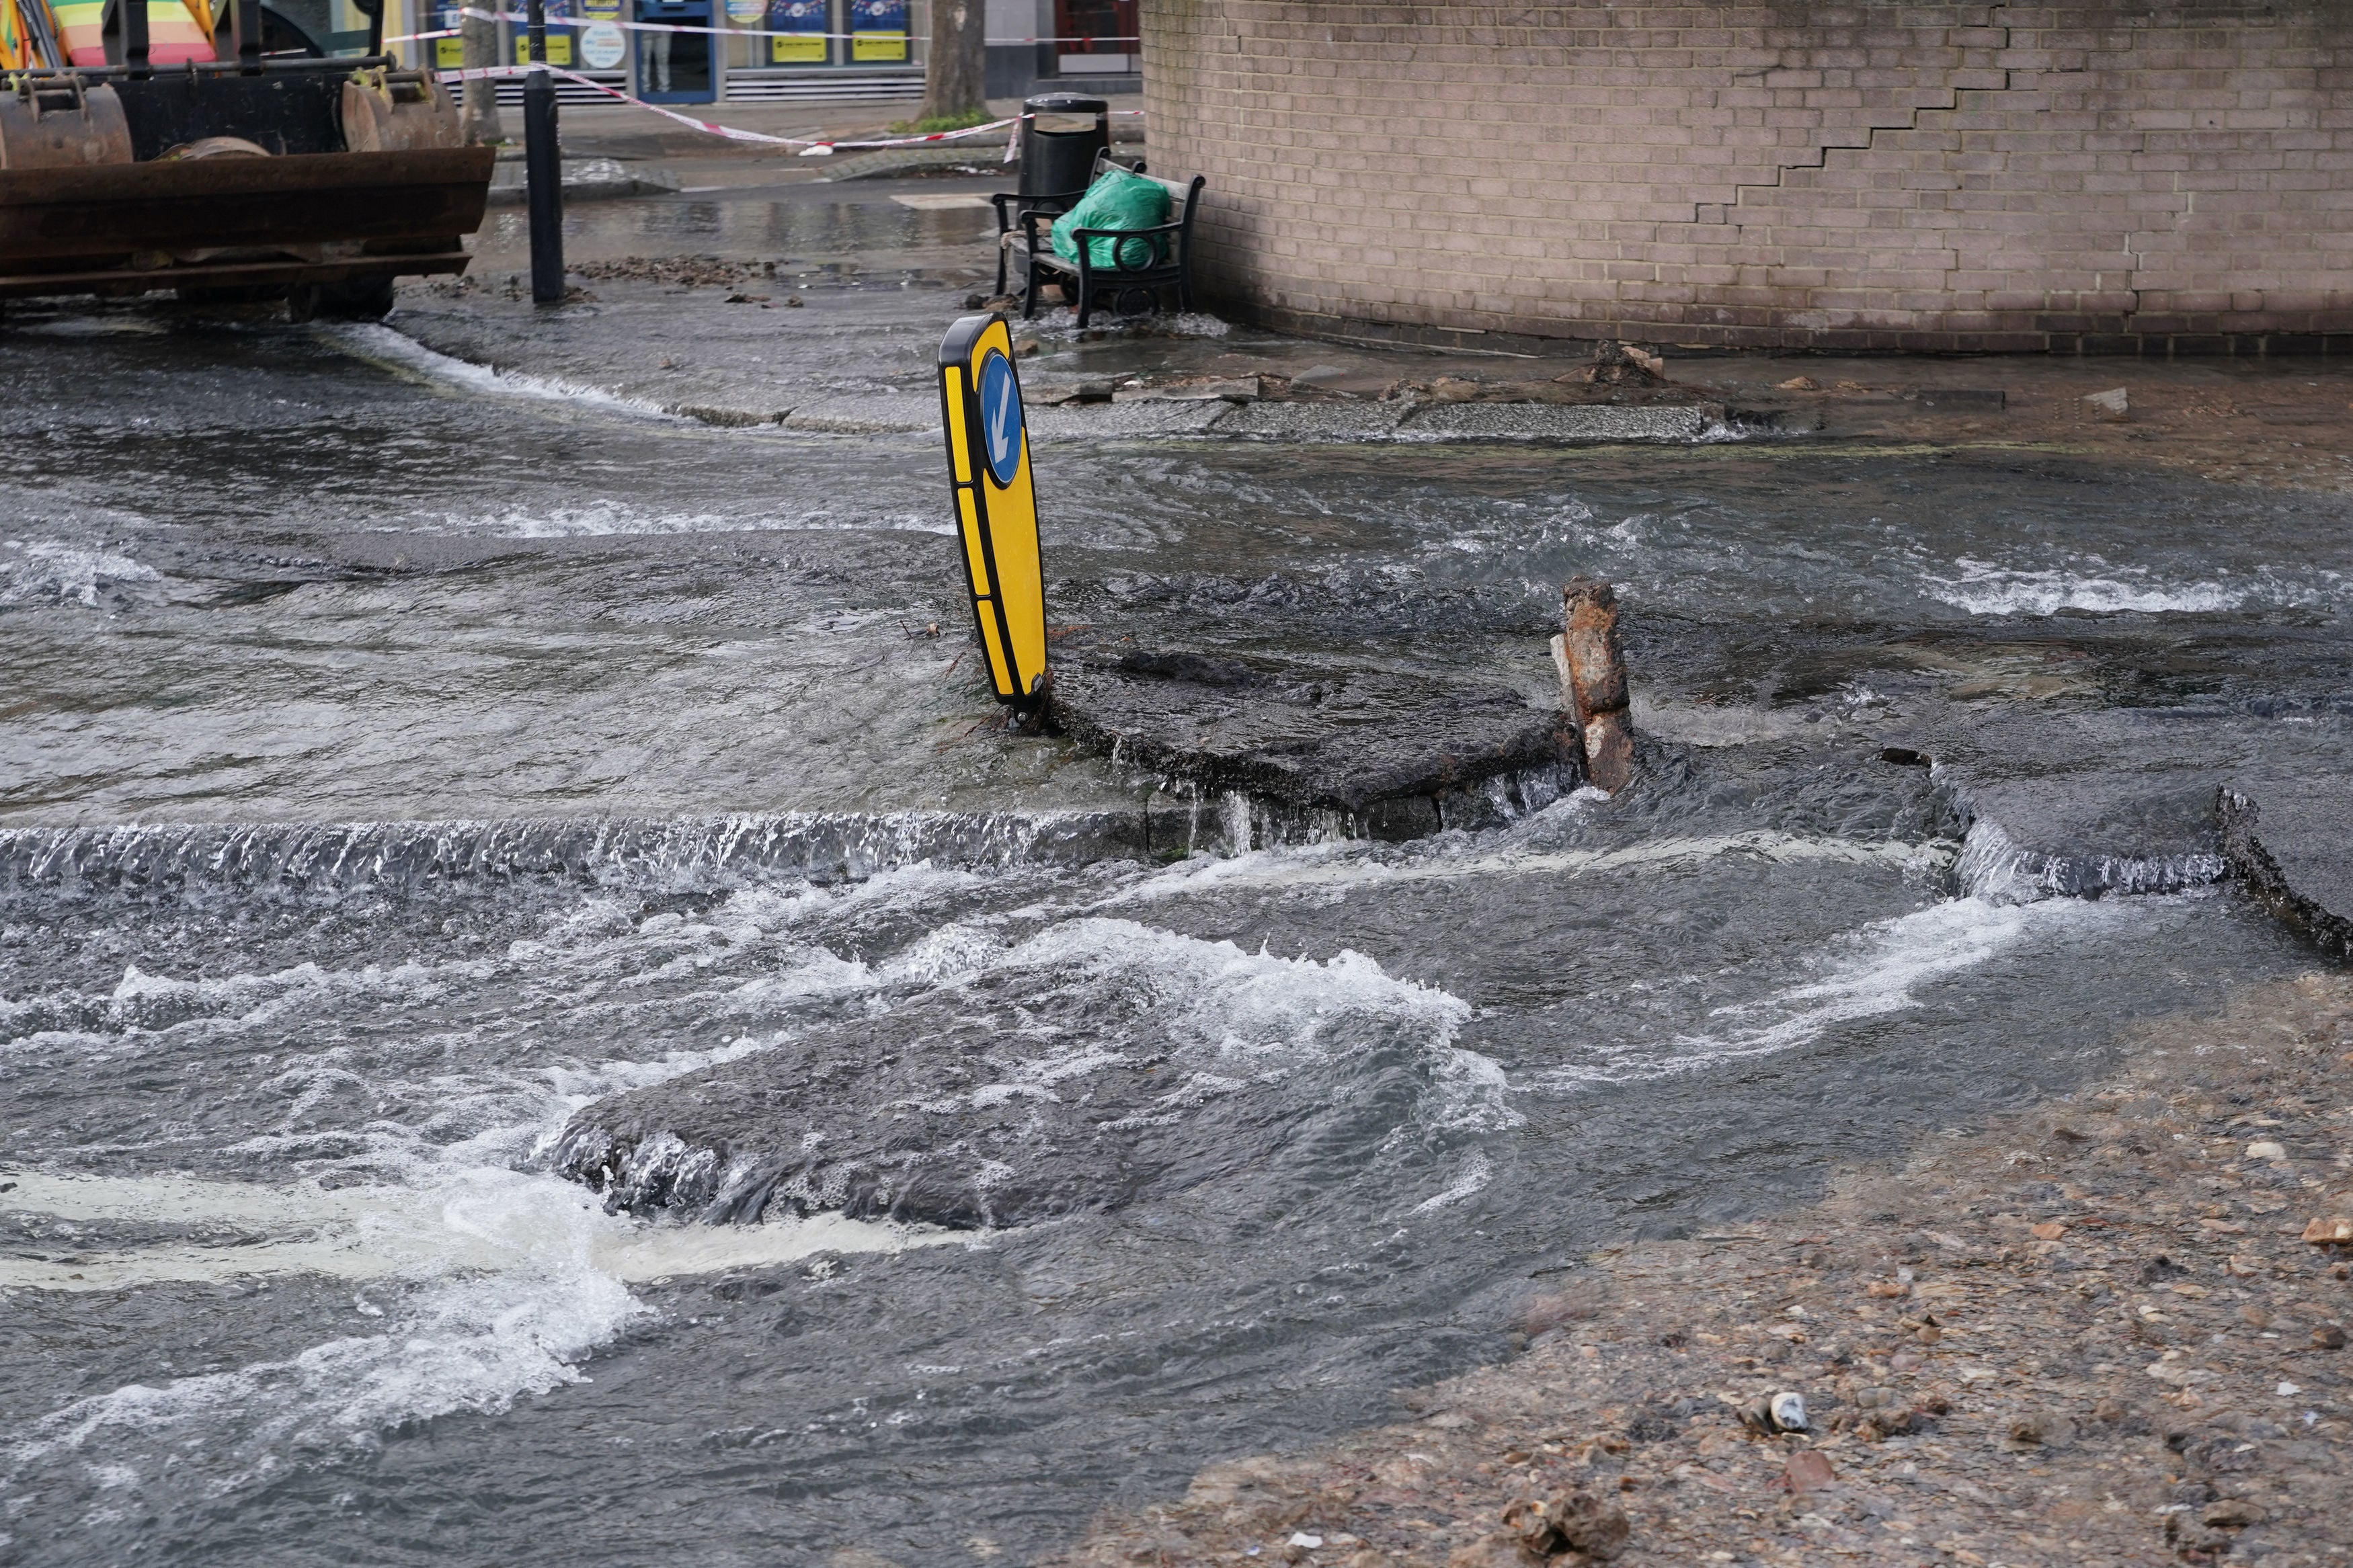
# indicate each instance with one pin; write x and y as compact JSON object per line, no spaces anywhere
{"x":658,"y":57}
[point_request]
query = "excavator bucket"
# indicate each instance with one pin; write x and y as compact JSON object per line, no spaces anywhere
{"x":142,"y":150}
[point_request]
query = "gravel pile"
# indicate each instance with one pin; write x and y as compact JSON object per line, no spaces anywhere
{"x":2094,"y":1334}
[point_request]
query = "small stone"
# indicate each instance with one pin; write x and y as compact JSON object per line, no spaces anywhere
{"x":2041,"y":1430}
{"x":1887,"y":1290}
{"x":973,"y":301}
{"x":2233,"y":1513}
{"x":2050,"y":1231}
{"x":2266,"y":1150}
{"x":1301,"y":1538}
{"x":2255,"y":1317}
{"x":1799,"y":384}
{"x":1808,"y":1472}
{"x":2335,"y":1230}
{"x":2329,"y":1337}
{"x":1929,"y":1333}
{"x":1576,"y":1522}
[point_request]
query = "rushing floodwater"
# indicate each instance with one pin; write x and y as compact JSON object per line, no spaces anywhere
{"x":395,"y":764}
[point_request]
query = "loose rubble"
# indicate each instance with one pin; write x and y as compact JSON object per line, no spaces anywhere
{"x":2108,"y":1330}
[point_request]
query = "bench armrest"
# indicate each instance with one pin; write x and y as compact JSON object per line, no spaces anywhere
{"x":1080,"y":237}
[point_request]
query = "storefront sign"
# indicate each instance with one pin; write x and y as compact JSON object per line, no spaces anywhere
{"x":878,"y":31}
{"x":801,"y":16}
{"x":602,"y":46}
{"x":559,"y":47}
{"x":600,"y":11}
{"x":745,"y":12}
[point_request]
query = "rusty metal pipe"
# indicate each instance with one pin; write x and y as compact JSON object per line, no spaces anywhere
{"x":1593,"y":681}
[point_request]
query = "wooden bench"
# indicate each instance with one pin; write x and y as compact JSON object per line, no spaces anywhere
{"x":1172,"y":246}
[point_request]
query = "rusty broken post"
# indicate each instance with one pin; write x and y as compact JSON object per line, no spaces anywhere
{"x":1593,"y":681}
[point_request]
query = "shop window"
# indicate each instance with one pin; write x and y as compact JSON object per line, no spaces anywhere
{"x":1098,"y":37}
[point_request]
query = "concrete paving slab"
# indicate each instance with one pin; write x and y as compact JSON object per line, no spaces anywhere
{"x":1541,"y":422}
{"x":2290,"y":842}
{"x":1315,"y":421}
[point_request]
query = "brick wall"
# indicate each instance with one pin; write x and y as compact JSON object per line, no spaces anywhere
{"x":1854,"y":175}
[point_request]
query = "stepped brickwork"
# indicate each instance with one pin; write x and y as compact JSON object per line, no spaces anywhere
{"x":2137,"y":175}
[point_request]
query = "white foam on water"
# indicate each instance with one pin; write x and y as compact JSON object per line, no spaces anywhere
{"x":1985,"y":588}
{"x":1260,"y":1013}
{"x":483,"y":1285}
{"x":474,"y":1344}
{"x":484,"y":1220}
{"x":45,"y":571}
{"x":1877,"y":971}
{"x":1472,"y":1179}
{"x":1355,"y":864}
{"x":604,"y":518}
{"x":397,"y":351}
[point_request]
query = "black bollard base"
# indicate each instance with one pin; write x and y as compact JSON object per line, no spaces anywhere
{"x":544,"y":172}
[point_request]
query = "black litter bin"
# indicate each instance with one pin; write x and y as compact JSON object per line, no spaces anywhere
{"x":1056,"y":165}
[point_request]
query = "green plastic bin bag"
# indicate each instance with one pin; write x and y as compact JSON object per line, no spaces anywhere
{"x":1118,"y":200}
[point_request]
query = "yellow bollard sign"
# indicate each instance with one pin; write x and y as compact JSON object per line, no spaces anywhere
{"x":996,"y":510}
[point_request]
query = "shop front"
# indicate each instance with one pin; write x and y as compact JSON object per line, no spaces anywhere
{"x":820,"y":50}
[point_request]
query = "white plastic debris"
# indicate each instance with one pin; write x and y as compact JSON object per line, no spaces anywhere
{"x":1310,"y":1541}
{"x":1788,"y":1411}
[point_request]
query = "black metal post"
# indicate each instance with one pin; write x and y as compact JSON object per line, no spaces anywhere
{"x":245,"y":33}
{"x":543,"y":168}
{"x":134,"y":38}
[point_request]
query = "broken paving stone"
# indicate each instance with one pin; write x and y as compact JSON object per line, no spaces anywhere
{"x":2114,"y":404}
{"x":1401,"y":755}
{"x":906,"y":1115}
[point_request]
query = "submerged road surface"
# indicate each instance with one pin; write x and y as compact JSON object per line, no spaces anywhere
{"x":396,"y":759}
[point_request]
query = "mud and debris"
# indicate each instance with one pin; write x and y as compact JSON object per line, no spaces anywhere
{"x":687,"y":271}
{"x":2106,"y":1331}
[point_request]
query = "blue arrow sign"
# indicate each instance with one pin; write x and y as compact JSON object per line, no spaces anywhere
{"x":1000,"y":418}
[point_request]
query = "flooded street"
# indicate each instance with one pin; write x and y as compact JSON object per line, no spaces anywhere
{"x":396,"y":757}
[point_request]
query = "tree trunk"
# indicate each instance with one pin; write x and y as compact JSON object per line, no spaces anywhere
{"x":478,"y":119}
{"x":955,"y":72}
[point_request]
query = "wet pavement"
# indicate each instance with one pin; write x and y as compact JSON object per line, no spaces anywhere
{"x":420,"y":735}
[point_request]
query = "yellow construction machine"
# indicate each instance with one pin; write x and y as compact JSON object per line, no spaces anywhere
{"x":239,"y":152}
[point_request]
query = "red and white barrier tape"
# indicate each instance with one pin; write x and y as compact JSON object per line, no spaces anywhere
{"x":813,"y":147}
